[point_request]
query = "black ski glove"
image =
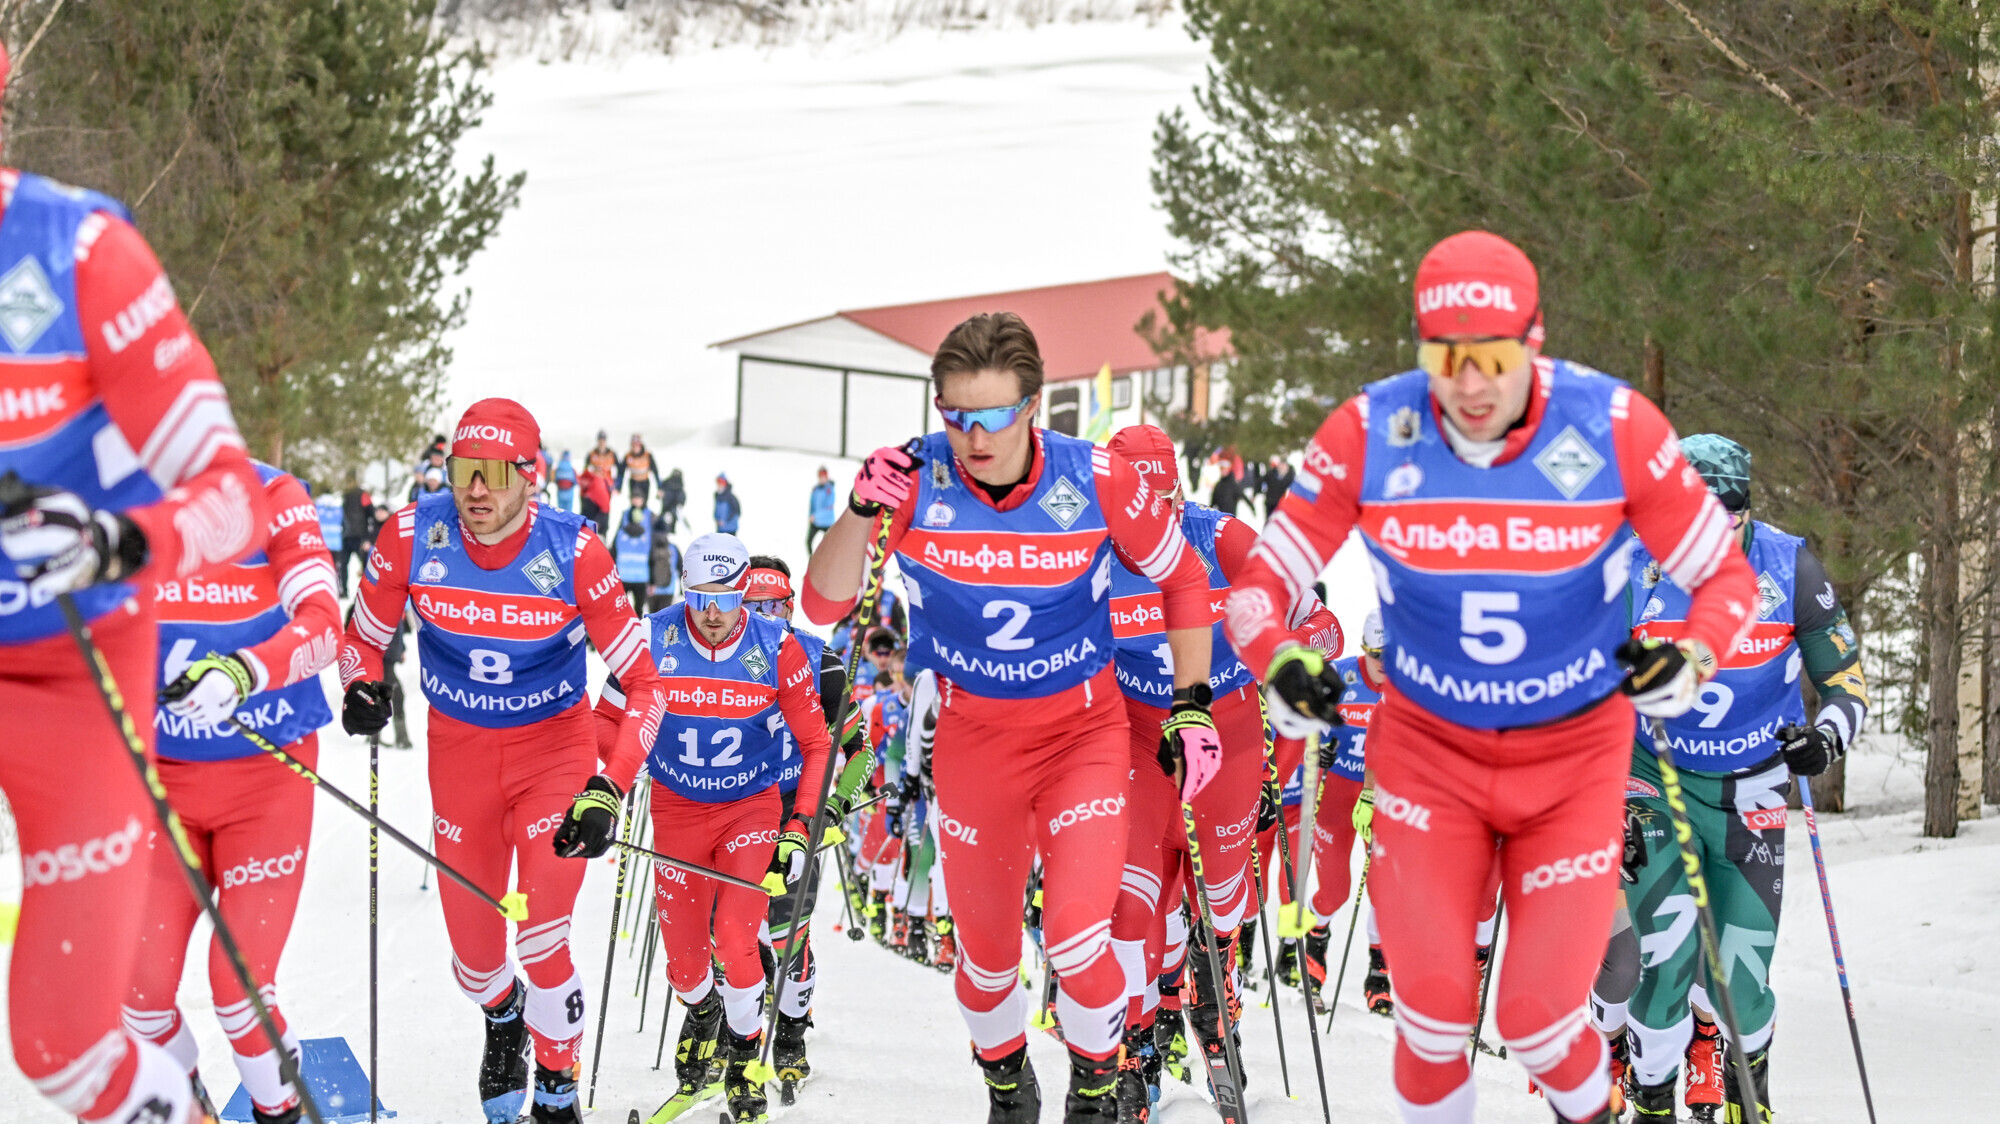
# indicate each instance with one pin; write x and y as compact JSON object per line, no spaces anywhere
{"x":913,"y":789}
{"x":586,"y":830}
{"x":366,"y":709}
{"x":1302,"y":688}
{"x":1634,"y":859}
{"x":1270,"y":807}
{"x":1808,"y":750}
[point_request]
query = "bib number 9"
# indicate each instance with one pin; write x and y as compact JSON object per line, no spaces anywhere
{"x":1712,"y":702}
{"x":1477,"y":620}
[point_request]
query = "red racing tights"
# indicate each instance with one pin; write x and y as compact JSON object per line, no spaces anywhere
{"x":250,"y":820}
{"x":1552,"y":797}
{"x":1052,"y":782}
{"x":698,"y":914}
{"x":83,"y":820}
{"x":499,"y":796}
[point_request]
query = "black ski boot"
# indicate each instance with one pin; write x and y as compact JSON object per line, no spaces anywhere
{"x":696,"y":1064}
{"x":1375,"y":986}
{"x":555,"y":1096}
{"x":1732,"y":1096}
{"x":1138,"y":1075}
{"x":919,"y":943}
{"x":742,"y":1083}
{"x":1288,"y":962}
{"x":1317,"y":939}
{"x":1246,"y":940}
{"x":1654,"y":1104}
{"x":788,"y":1055}
{"x":503,"y":1067}
{"x":289,"y":1116}
{"x":1170,"y":1042}
{"x":1603,"y":1117}
{"x":1012,"y":1096}
{"x":1093,"y":1090}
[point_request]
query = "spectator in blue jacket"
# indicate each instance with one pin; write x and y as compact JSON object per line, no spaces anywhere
{"x":822,"y":508}
{"x":728,"y":509}
{"x":565,"y":481}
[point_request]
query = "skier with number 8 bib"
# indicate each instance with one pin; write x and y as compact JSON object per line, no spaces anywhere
{"x":1004,"y":539}
{"x":508,"y":591}
{"x":1496,"y":492}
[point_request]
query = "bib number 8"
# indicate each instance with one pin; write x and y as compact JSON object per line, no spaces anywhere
{"x":489,"y":666}
{"x":1476,"y":620}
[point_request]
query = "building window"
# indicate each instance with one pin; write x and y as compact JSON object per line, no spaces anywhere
{"x":1065,"y":408}
{"x":1121,"y":393}
{"x":1163,"y":385}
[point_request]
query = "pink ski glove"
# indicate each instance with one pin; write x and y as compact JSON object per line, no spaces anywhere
{"x":884,"y":480}
{"x":1190,"y":749}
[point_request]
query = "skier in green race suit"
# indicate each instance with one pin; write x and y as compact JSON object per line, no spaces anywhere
{"x":1736,"y":753}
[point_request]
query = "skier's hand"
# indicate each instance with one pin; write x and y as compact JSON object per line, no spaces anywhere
{"x":58,"y":545}
{"x":913,"y":789}
{"x":1634,"y":858}
{"x":1302,"y":692}
{"x":1270,"y":807}
{"x":1664,"y":678}
{"x":586,"y":831}
{"x":1808,"y":750}
{"x":209,"y":691}
{"x":884,"y":480}
{"x":366,"y":708}
{"x":1190,"y":749}
{"x":1364,"y":815}
{"x":1329,"y":754}
{"x":788,"y":860}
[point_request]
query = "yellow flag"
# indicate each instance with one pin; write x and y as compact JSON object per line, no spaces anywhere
{"x":1099,"y":429}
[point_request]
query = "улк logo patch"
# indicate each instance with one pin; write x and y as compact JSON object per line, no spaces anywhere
{"x":543,"y":571}
{"x":1064,"y":503}
{"x":755,"y":663}
{"x":28,"y":305}
{"x":1569,"y":462}
{"x":1769,"y":596}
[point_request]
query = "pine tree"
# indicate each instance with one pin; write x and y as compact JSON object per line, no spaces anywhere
{"x":294,"y":164}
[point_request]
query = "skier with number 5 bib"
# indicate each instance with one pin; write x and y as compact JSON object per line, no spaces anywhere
{"x":1736,"y":753}
{"x":1004,"y":539}
{"x":1495,"y":491}
{"x":508,"y":591}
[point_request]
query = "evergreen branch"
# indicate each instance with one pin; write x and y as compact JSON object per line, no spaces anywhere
{"x":22,"y":59}
{"x":1582,"y":124}
{"x":1741,"y":64}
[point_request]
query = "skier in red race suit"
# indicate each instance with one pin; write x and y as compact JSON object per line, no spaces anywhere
{"x":1005,"y":540}
{"x":1226,"y":806}
{"x":112,"y":420}
{"x":508,"y":590}
{"x":1494,"y":490}
{"x":244,"y":643}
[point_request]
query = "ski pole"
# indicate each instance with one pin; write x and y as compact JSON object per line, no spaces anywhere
{"x":847,"y":901}
{"x":170,"y":822}
{"x":1354,"y":919}
{"x":1711,"y":945}
{"x":1271,"y":970}
{"x":691,"y":868}
{"x":1833,"y":934}
{"x":513,"y":906}
{"x":1299,"y":903}
{"x":1230,"y":1107}
{"x":871,"y":595}
{"x":611,"y":953}
{"x":1486,"y":979}
{"x":374,"y":943}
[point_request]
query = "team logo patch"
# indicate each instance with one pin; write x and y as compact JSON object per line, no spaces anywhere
{"x":940,"y":474}
{"x":939,"y":514}
{"x":543,"y":571}
{"x":1403,"y":481}
{"x":668,"y":664}
{"x":1769,"y":596}
{"x":1654,"y":607}
{"x":1569,"y":462}
{"x":1826,"y":598}
{"x":1653,"y":574}
{"x":432,"y":571}
{"x":28,"y":305}
{"x":755,"y":663}
{"x":1404,"y":426}
{"x":1764,"y":819}
{"x":437,"y":536}
{"x":1636,"y":789}
{"x":672,"y":637}
{"x":1064,"y":503}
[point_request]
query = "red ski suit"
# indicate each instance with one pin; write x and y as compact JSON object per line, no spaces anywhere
{"x":499,"y":794}
{"x":1447,"y":793}
{"x":1046,"y":775}
{"x":79,"y":808}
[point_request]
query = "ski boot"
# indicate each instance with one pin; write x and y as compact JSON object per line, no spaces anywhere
{"x":503,"y":1066}
{"x":1622,"y":1077}
{"x":1375,"y":985}
{"x":947,"y":946}
{"x":1137,"y":1088}
{"x":555,"y":1096}
{"x":899,"y":930}
{"x":1704,"y":1066}
{"x":1210,"y":999}
{"x":743,"y":1083}
{"x":1288,"y":962}
{"x":1603,"y":1117}
{"x":695,"y":1062}
{"x":288,"y":1116}
{"x":1317,"y":940}
{"x":1170,"y":1042}
{"x":788,"y":1054}
{"x":1012,"y":1096}
{"x":1733,"y":1099}
{"x":1093,"y":1090}
{"x":878,"y":916}
{"x":1653,"y":1104}
{"x":1246,"y":940}
{"x":919,"y":948}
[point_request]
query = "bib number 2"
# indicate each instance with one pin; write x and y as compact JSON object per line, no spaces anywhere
{"x":1008,"y":638}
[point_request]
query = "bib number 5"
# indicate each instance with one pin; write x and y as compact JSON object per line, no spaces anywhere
{"x":1477,"y":620}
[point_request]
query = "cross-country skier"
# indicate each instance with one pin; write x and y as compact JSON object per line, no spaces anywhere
{"x":132,"y":472}
{"x":1493,"y":489}
{"x":918,"y":777}
{"x":1223,"y":792}
{"x":507,"y":590}
{"x":741,"y":693}
{"x":1004,"y":539}
{"x":1736,"y":752}
{"x":239,"y":643}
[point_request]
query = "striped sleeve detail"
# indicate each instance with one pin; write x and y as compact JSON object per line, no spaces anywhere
{"x":309,"y":576}
{"x":1702,"y":547}
{"x":1166,"y":555}
{"x":1289,"y":554}
{"x":196,"y":424}
{"x":628,"y":647}
{"x":370,"y":626}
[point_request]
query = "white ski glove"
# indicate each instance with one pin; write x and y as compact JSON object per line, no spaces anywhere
{"x":1665,"y":679}
{"x":58,"y":545}
{"x":209,"y":691}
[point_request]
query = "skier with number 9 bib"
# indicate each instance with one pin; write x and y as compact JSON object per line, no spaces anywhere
{"x":508,"y":591}
{"x":1495,"y":491}
{"x":1004,"y":534}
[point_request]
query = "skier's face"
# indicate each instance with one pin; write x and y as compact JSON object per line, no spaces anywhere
{"x":489,"y":514}
{"x":991,"y":458}
{"x":714,"y":622}
{"x":1483,"y":406}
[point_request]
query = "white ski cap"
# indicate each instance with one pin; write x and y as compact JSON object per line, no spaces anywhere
{"x":1371,"y":631}
{"x":716,"y":558}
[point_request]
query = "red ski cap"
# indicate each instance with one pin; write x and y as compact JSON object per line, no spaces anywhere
{"x":1151,"y":451}
{"x":768,"y":585}
{"x":498,"y":429}
{"x":1477,"y":284}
